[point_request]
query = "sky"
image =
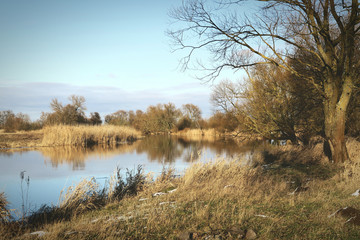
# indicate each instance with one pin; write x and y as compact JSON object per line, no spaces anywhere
{"x":114,"y":53}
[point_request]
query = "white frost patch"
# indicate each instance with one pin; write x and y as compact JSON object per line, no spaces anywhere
{"x":123,"y":218}
{"x":350,"y":219}
{"x":163,"y":203}
{"x":171,"y":191}
{"x":293,"y":193}
{"x":158,"y":194}
{"x":356,"y":193}
{"x":333,"y":214}
{"x":95,"y":220}
{"x":39,"y":233}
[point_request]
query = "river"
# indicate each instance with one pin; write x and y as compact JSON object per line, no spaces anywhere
{"x":49,"y":170}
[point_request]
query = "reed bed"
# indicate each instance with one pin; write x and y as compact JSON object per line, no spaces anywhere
{"x":199,"y":134}
{"x":62,"y":135}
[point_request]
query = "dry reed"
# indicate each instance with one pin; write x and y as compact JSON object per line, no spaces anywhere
{"x":61,"y":135}
{"x":81,"y":197}
{"x":4,"y":211}
{"x":199,"y":134}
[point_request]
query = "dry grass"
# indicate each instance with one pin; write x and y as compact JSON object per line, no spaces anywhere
{"x":81,"y":197}
{"x":20,"y":139}
{"x":224,"y":199}
{"x":62,"y":135}
{"x":4,"y":211}
{"x":212,"y":134}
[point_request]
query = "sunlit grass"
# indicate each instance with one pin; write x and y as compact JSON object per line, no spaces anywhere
{"x":62,"y":135}
{"x":199,"y":134}
{"x":225,"y":199}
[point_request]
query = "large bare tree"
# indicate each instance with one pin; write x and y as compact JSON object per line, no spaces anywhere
{"x":328,"y":30}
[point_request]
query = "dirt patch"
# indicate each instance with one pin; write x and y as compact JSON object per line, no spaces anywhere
{"x":20,"y":139}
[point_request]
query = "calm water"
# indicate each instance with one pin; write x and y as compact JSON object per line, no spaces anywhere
{"x":51,"y":170}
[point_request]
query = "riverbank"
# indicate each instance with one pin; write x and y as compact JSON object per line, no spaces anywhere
{"x":211,"y":134}
{"x":63,"y":135}
{"x":99,"y":135}
{"x":21,"y":139}
{"x":285,"y":193}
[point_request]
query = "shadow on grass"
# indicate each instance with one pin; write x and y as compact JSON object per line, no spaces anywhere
{"x":297,"y":165}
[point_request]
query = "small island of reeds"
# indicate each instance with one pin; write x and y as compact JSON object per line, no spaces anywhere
{"x":61,"y":135}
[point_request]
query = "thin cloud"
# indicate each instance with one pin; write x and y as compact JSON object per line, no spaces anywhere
{"x":34,"y":98}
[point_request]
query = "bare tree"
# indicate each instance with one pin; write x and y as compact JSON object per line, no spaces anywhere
{"x":227,"y":95}
{"x":328,"y":30}
{"x":193,"y":113}
{"x":69,"y":114}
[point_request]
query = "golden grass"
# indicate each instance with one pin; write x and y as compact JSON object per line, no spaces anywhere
{"x":224,"y":199}
{"x":198,"y":134}
{"x":4,"y":211}
{"x":20,"y":139}
{"x":62,"y":135}
{"x":81,"y":197}
{"x":212,"y":135}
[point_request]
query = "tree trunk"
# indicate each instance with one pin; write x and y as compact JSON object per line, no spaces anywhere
{"x":335,"y":136}
{"x":335,"y":118}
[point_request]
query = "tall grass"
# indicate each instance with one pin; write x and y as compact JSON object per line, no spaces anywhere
{"x":4,"y":211}
{"x":224,"y":199}
{"x":87,"y":195}
{"x":61,"y":135}
{"x":199,"y":134}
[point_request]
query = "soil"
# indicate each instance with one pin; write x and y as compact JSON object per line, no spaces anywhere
{"x":20,"y":139}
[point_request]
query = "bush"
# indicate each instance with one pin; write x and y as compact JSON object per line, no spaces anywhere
{"x":133,"y":183}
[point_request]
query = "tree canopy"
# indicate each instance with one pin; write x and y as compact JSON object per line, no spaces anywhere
{"x":284,"y":34}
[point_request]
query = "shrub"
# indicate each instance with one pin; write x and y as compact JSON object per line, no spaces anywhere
{"x":133,"y":183}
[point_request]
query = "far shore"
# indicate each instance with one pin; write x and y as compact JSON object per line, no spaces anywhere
{"x":20,"y":139}
{"x":33,"y":139}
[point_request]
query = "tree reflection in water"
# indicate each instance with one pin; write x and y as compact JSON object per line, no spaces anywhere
{"x":161,"y":148}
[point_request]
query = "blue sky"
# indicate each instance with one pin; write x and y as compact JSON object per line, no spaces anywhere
{"x":114,"y":53}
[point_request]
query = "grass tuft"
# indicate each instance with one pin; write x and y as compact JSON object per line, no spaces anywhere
{"x":5,"y":215}
{"x":86,"y":196}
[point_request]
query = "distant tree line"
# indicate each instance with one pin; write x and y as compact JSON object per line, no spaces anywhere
{"x":70,"y":114}
{"x":161,"y":118}
{"x":11,"y":122}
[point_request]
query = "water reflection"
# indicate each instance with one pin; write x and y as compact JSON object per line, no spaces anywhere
{"x":62,"y":163}
{"x":76,"y":156}
{"x":161,"y":149}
